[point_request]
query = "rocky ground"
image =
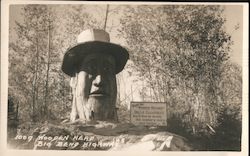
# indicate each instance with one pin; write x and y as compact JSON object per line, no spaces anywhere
{"x":97,"y":136}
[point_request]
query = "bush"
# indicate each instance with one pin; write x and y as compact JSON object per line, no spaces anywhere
{"x":228,"y":131}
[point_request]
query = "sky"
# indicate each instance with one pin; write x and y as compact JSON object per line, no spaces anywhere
{"x":234,"y":16}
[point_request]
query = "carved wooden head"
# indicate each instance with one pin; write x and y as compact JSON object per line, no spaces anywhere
{"x":93,"y":64}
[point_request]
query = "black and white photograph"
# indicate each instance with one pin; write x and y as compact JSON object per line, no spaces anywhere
{"x":124,"y":76}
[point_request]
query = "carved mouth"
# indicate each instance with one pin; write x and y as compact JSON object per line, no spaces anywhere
{"x":98,"y":93}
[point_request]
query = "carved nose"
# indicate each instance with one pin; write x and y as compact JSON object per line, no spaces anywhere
{"x":98,"y":80}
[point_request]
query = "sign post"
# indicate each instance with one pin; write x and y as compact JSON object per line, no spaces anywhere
{"x":148,"y":113}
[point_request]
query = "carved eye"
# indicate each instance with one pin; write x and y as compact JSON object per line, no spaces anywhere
{"x":106,"y":69}
{"x":92,"y":68}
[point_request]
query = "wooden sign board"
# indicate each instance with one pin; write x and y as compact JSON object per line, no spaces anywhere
{"x":148,"y":113}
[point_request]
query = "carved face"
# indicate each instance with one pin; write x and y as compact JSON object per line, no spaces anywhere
{"x":97,"y":79}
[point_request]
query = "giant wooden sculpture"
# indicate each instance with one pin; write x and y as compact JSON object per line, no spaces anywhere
{"x":92,"y":65}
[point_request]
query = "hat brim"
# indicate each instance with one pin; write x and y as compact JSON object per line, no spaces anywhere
{"x":74,"y":55}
